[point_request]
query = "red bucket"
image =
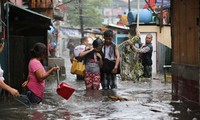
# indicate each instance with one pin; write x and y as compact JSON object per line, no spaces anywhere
{"x":65,"y":90}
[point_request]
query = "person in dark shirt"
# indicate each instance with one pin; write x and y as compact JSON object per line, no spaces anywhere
{"x":111,"y":54}
{"x":145,"y":55}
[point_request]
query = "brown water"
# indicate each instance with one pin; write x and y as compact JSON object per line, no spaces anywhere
{"x":145,"y":101}
{"x":151,"y":100}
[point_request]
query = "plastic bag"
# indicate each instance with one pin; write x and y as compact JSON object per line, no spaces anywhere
{"x":78,"y":68}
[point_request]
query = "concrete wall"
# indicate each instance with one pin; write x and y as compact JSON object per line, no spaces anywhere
{"x":163,"y":35}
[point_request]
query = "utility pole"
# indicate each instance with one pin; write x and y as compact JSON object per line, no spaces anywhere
{"x":129,"y":5}
{"x":81,"y":17}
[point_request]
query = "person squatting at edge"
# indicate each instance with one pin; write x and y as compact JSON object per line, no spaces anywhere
{"x":110,"y":50}
{"x":37,"y":74}
{"x":3,"y":85}
{"x":93,"y":62}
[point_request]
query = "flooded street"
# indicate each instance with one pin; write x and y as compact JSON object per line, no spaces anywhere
{"x":150,"y":100}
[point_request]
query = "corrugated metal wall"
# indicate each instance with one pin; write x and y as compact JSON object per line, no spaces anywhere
{"x":164,"y":56}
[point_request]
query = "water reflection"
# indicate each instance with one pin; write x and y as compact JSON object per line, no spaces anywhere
{"x":149,"y":103}
{"x":144,"y":101}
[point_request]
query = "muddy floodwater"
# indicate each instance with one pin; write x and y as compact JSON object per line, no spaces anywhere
{"x":144,"y":100}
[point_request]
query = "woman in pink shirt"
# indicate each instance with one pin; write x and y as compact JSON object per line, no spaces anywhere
{"x":37,"y":73}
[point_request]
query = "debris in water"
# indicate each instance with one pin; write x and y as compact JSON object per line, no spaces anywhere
{"x":116,"y":98}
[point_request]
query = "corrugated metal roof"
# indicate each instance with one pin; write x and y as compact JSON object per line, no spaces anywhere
{"x":27,"y":10}
{"x":22,"y":21}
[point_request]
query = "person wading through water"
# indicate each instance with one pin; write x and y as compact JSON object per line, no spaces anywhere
{"x":37,"y":74}
{"x":111,"y":54}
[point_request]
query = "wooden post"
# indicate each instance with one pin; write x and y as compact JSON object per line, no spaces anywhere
{"x":33,"y":3}
{"x":38,"y":4}
{"x":138,"y":17}
{"x":161,"y":17}
{"x":81,"y":17}
{"x":43,"y":5}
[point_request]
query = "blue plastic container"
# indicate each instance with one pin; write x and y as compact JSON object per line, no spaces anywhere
{"x":145,"y":16}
